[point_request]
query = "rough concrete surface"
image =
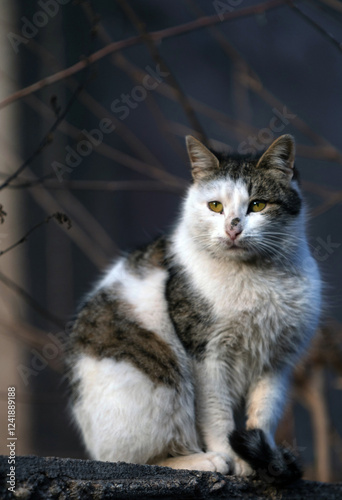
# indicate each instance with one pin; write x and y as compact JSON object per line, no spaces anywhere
{"x":66,"y":478}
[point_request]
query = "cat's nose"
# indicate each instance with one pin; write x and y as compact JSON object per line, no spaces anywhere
{"x":233,"y":233}
{"x":234,"y":228}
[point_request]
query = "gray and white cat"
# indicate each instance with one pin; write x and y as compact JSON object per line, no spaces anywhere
{"x":179,"y":333}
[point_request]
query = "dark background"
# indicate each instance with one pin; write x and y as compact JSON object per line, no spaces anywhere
{"x":225,"y":84}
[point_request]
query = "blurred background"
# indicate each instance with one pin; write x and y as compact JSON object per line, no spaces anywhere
{"x":95,"y":100}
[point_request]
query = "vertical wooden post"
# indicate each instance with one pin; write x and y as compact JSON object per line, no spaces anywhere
{"x":12,"y":308}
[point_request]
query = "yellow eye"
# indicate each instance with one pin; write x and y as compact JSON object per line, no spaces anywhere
{"x":216,"y":206}
{"x":257,"y":206}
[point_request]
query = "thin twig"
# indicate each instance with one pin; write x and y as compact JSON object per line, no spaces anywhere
{"x":250,"y":80}
{"x":316,"y":25}
{"x":272,"y":101}
{"x":327,"y":205}
{"x":328,"y":153}
{"x":86,"y":242}
{"x":32,"y":337}
{"x":240,"y":67}
{"x":45,"y":141}
{"x":234,"y":126}
{"x":137,"y":76}
{"x":96,"y":185}
{"x":98,"y":251}
{"x":129,"y":42}
{"x":155,"y":54}
{"x":58,"y":216}
{"x":334,"y":4}
{"x":135,"y":164}
{"x":25,"y":182}
{"x":325,"y":150}
{"x":100,"y":111}
{"x":320,"y":190}
{"x":31,"y":301}
{"x":328,"y":12}
{"x":108,"y":151}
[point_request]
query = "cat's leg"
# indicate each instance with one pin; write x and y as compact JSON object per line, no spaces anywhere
{"x":214,"y":405}
{"x":265,"y":403}
{"x":125,"y":416}
{"x":215,"y":422}
{"x":256,"y":444}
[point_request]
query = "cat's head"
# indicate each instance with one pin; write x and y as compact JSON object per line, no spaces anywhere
{"x":244,"y":207}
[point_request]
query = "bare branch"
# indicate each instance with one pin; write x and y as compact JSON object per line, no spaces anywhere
{"x":30,"y":337}
{"x":58,"y":216}
{"x":108,"y":151}
{"x":334,"y":4}
{"x":137,"y":76}
{"x":46,"y":140}
{"x":129,"y":42}
{"x":90,"y":247}
{"x":97,"y":253}
{"x":95,"y":107}
{"x":95,"y":185}
{"x":31,"y":301}
{"x":317,"y":26}
{"x":155,"y":54}
{"x":323,"y":149}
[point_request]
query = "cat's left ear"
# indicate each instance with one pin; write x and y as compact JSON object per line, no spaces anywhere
{"x":280,"y":156}
{"x":203,"y":161}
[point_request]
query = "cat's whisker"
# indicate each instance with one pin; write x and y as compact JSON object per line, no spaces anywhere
{"x":282,"y":237}
{"x":270,"y":249}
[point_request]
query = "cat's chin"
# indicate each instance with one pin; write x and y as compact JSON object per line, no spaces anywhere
{"x":233,"y":249}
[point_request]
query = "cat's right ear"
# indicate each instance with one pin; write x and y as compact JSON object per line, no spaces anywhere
{"x":203,"y":161}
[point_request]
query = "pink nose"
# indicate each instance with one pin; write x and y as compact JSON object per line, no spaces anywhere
{"x":234,"y":228}
{"x":233,"y":233}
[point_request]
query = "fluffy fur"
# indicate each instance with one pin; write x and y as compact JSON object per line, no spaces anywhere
{"x":178,"y":333}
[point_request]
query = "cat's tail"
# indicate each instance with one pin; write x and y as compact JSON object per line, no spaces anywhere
{"x":274,"y":465}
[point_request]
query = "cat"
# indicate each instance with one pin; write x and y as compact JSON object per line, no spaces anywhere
{"x":177,"y":334}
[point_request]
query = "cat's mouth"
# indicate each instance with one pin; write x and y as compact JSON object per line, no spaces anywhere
{"x":233,"y":246}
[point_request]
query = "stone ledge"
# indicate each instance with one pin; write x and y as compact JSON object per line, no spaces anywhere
{"x":64,"y":478}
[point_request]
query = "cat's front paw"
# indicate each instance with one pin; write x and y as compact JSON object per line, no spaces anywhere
{"x":242,"y":468}
{"x":211,"y":461}
{"x":222,"y":462}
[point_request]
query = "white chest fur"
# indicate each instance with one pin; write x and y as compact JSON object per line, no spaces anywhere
{"x":273,"y":297}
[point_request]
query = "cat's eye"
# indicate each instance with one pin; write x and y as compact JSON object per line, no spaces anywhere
{"x":216,"y":206}
{"x":257,"y":206}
